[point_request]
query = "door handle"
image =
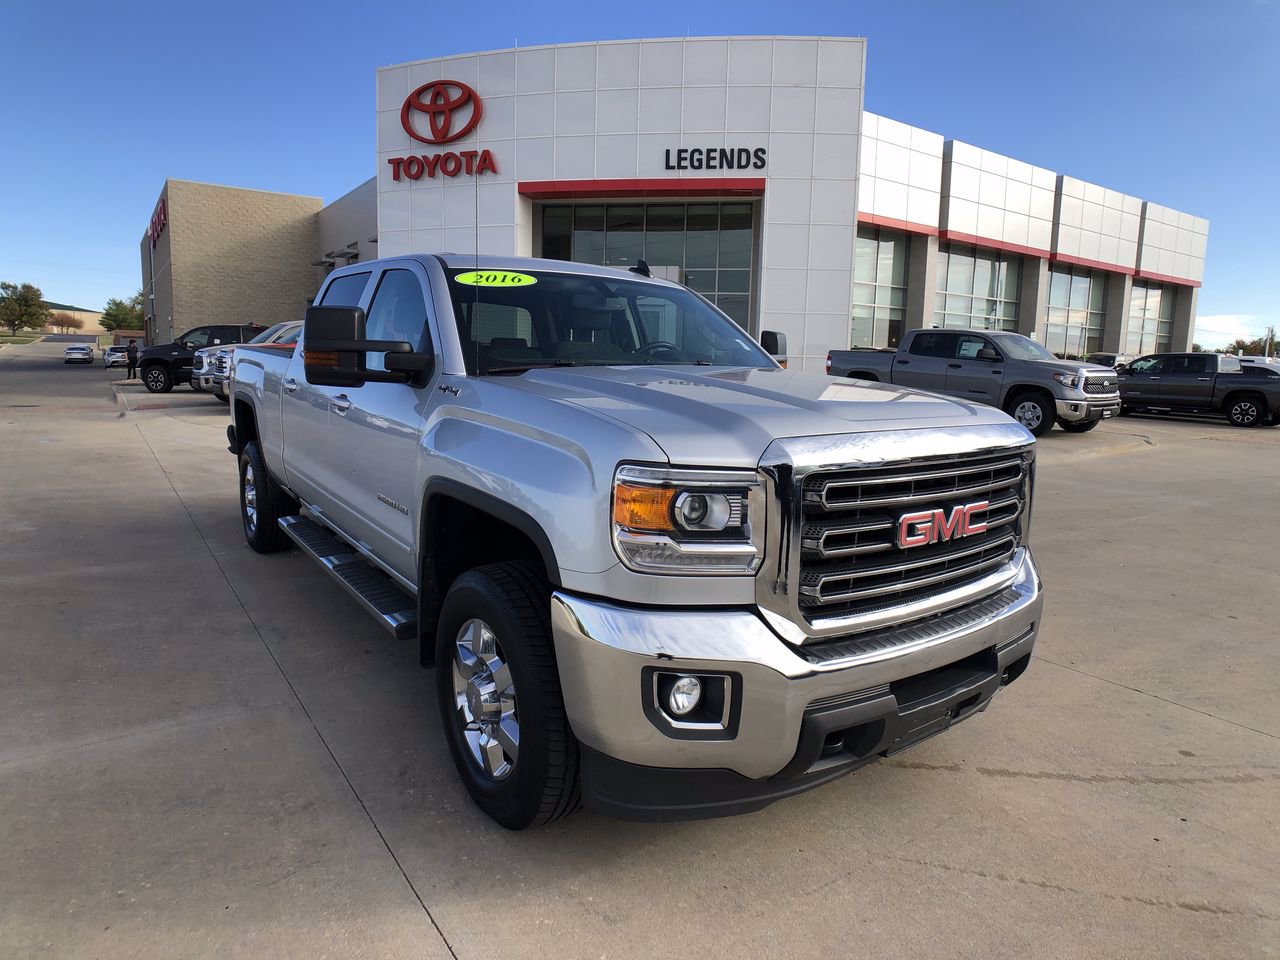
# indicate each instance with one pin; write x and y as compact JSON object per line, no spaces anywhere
{"x":290,"y":384}
{"x":1204,"y":379}
{"x":1153,"y":378}
{"x":341,"y":403}
{"x":953,"y":366}
{"x":904,"y":362}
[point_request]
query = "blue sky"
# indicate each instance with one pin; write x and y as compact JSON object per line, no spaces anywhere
{"x":1176,"y":101}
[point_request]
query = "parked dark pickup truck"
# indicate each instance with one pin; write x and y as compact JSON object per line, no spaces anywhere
{"x":167,"y":364}
{"x":1001,"y":369}
{"x":1249,"y":395}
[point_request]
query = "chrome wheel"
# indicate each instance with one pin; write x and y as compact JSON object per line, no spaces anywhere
{"x":484,"y":697}
{"x":250,"y":488}
{"x":1029,"y":414}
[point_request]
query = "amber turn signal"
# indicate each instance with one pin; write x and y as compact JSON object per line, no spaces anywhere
{"x":314,"y":358}
{"x":638,"y":507}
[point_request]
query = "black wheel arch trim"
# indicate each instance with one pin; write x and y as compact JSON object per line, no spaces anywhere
{"x":487,"y":502}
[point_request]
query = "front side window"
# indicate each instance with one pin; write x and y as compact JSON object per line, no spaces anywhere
{"x":1148,"y":365}
{"x":398,"y":312}
{"x":509,"y":322}
{"x":195,"y":339}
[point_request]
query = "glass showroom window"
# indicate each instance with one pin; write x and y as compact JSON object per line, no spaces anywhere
{"x":710,"y":243}
{"x":879,"y":288}
{"x":1150,"y":318}
{"x":1077,"y":301}
{"x":977,"y":288}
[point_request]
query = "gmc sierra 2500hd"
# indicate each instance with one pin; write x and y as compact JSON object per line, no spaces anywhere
{"x":1005,"y":370}
{"x":655,"y":572}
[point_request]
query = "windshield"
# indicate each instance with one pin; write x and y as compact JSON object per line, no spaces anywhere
{"x":511,"y":321}
{"x":1023,"y":348}
{"x":266,"y":335}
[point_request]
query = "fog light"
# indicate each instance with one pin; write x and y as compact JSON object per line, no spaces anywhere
{"x":685,"y":695}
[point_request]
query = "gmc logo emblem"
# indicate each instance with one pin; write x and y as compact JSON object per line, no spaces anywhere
{"x":937,"y":526}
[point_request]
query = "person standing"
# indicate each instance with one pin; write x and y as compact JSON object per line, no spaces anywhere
{"x":131,"y":352}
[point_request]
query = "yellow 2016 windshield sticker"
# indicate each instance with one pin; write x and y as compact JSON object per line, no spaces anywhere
{"x":495,"y":278}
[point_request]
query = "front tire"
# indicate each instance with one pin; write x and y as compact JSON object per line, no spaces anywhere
{"x":1033,"y":411}
{"x":499,"y":695}
{"x":157,"y":379}
{"x":1079,"y":426}
{"x":1246,"y":411}
{"x":262,"y":503}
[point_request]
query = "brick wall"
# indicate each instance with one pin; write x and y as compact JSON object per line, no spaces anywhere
{"x":238,"y":256}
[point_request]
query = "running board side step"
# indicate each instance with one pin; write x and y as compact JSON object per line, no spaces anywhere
{"x":373,"y":589}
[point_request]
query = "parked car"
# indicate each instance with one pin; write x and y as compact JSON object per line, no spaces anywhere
{"x":1004,"y":370}
{"x":1113,"y":360}
{"x":1202,"y":383}
{"x":211,"y":366}
{"x":116,"y":355}
{"x":78,"y":353}
{"x":166,"y":365}
{"x":654,"y":570}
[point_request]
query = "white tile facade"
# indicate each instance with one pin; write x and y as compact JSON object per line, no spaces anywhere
{"x":993,"y":197}
{"x":1173,"y":244}
{"x":609,"y":111}
{"x":900,"y":172}
{"x":1096,"y":225}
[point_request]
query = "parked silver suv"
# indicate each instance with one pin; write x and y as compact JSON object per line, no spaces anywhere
{"x":654,"y":571}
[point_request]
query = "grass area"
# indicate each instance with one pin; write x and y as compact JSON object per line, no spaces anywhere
{"x":5,"y":338}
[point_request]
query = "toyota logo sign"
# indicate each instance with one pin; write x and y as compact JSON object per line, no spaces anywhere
{"x":452,"y":110}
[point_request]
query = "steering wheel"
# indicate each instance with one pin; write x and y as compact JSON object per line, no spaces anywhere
{"x":654,"y":345}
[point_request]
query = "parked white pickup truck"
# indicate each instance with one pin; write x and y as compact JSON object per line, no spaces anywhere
{"x":655,"y":571}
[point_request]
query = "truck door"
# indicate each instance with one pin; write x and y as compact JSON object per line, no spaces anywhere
{"x":971,"y":378}
{"x":1140,"y":382}
{"x":924,"y":363}
{"x":376,"y":429}
{"x":1188,"y":381}
{"x":304,"y":411}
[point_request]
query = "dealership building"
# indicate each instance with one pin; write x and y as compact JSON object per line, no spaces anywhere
{"x":745,"y":167}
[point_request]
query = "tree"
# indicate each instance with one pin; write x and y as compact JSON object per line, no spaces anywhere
{"x":65,"y":322}
{"x":22,"y":307}
{"x":1196,"y":348}
{"x":122,"y":314}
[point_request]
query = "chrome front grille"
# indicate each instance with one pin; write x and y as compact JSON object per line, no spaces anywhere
{"x":851,"y":561}
{"x":1097,"y":385}
{"x":220,"y":363}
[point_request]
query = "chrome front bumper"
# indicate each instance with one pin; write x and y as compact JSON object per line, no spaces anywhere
{"x":1090,"y":409}
{"x":605,"y":652}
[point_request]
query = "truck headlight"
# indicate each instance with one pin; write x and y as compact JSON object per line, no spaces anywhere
{"x":676,"y":521}
{"x":1067,"y":379}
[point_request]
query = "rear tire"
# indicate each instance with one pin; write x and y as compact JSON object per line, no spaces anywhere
{"x":499,"y":695}
{"x":1246,"y":410}
{"x":1033,"y":411}
{"x":157,"y":379}
{"x":262,"y":503}
{"x":1079,"y":426}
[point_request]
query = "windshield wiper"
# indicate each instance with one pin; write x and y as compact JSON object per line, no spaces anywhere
{"x":531,"y":365}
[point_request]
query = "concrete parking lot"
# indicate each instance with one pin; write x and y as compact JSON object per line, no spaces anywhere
{"x":206,"y":752}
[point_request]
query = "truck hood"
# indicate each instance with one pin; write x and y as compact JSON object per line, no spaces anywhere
{"x":729,"y":416}
{"x":1073,"y":366}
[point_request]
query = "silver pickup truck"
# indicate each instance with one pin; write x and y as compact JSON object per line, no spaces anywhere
{"x":1004,"y":370}
{"x":655,"y":571}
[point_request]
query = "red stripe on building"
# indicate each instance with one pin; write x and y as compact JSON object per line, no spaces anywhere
{"x":952,"y":236}
{"x":1165,"y":278}
{"x":1093,"y":264}
{"x":656,"y":187}
{"x":890,"y":223}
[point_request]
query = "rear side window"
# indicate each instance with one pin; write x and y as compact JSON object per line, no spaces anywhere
{"x":933,"y":345}
{"x":346,"y":291}
{"x":1188,"y":364}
